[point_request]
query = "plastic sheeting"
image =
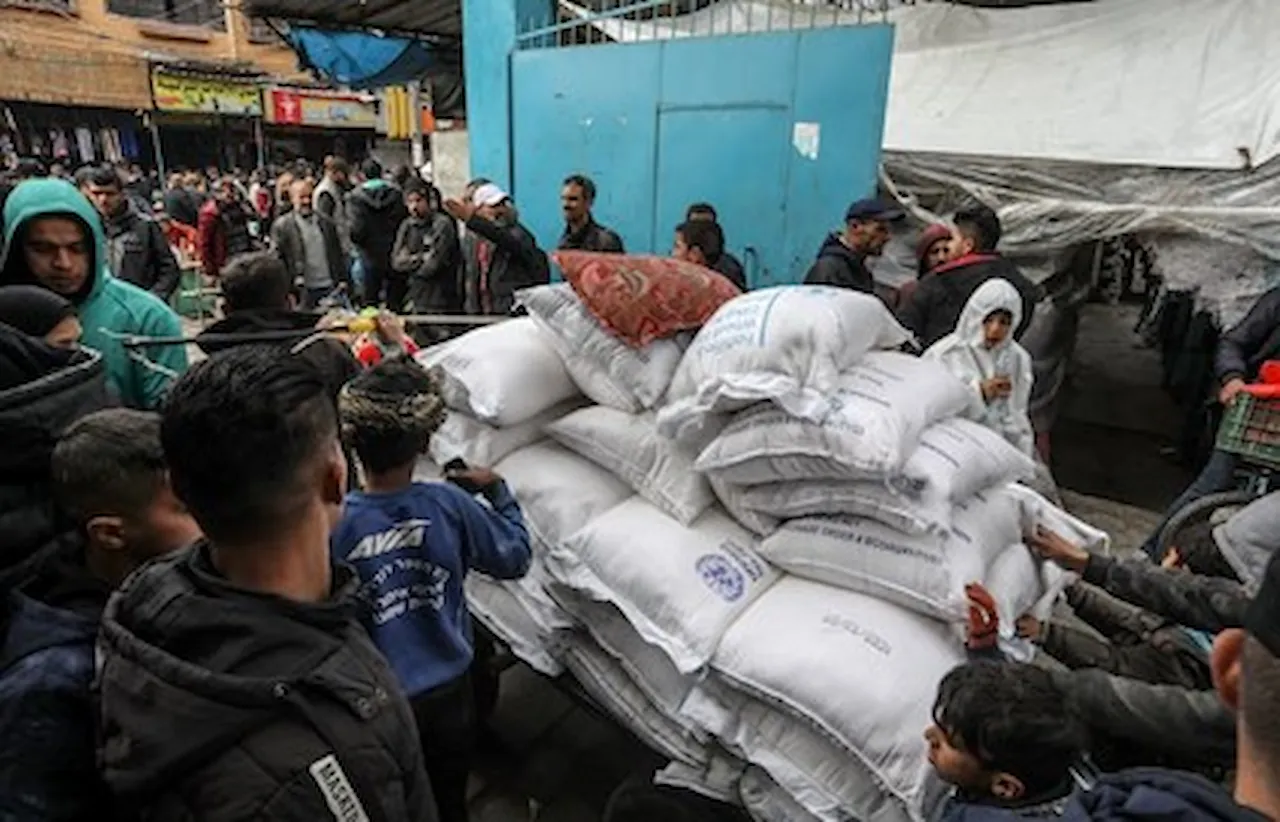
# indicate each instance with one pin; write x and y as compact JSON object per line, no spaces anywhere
{"x":1190,"y":84}
{"x":361,"y":60}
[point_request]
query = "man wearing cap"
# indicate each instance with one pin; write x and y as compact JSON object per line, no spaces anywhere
{"x":510,"y":259}
{"x":842,"y":259}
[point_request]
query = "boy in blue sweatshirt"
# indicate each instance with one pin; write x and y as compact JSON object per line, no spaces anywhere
{"x":412,"y":544}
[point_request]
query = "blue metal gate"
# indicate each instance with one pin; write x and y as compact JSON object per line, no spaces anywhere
{"x":778,"y":129}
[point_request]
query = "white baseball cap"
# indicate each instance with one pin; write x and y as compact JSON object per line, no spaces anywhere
{"x":489,"y":195}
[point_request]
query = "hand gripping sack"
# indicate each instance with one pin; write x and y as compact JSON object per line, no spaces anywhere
{"x":630,"y":446}
{"x":863,"y":670}
{"x":874,"y":415}
{"x":480,"y":444}
{"x":1038,"y":512}
{"x":644,"y":298}
{"x":783,"y":344}
{"x":603,"y":367}
{"x":925,"y":573}
{"x":558,"y":491}
{"x":502,"y":374}
{"x":679,"y":587}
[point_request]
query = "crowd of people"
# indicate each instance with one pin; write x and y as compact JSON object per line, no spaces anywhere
{"x":209,"y":613}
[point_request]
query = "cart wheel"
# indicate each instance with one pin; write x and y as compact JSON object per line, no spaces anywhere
{"x":1196,"y":519}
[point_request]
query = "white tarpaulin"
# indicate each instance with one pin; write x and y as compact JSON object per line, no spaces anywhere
{"x":1175,"y":83}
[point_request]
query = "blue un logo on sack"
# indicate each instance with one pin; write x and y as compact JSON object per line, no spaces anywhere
{"x":721,"y":576}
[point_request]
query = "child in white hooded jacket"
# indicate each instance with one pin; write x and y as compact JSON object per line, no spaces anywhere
{"x":982,"y":352}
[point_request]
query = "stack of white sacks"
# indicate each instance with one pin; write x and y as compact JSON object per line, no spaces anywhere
{"x":751,"y":544}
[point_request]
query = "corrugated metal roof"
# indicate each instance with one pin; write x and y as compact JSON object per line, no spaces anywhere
{"x":439,"y":18}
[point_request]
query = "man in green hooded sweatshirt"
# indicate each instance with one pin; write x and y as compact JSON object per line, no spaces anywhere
{"x":54,"y":238}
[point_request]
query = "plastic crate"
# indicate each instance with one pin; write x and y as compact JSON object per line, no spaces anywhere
{"x":1251,"y":429}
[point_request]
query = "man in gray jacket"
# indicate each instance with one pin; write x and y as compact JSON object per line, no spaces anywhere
{"x":308,"y":244}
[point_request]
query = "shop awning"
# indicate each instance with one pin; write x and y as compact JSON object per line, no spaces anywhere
{"x":422,"y":18}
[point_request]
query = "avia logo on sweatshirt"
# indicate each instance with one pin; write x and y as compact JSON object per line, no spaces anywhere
{"x":337,"y":791}
{"x":408,"y":534}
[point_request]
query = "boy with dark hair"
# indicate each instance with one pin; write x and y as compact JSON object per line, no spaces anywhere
{"x":725,"y":263}
{"x":1003,"y":735}
{"x":697,"y":242}
{"x":412,"y":544}
{"x":110,"y":479}
{"x":258,"y":296}
{"x":235,"y":679}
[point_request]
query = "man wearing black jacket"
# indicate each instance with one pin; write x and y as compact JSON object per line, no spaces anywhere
{"x":139,"y":251}
{"x":935,"y":307}
{"x":1241,"y":352}
{"x":427,"y":252}
{"x":581,"y":231}
{"x":376,"y":210}
{"x":510,"y":260}
{"x":842,"y":260}
{"x":236,"y":680}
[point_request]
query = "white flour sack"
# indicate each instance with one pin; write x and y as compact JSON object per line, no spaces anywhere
{"x":784,"y":344}
{"x":478,"y":443}
{"x":863,"y":670}
{"x":680,"y":587}
{"x":925,"y":573}
{"x":558,"y":491}
{"x":874,"y":414}
{"x":500,"y":609}
{"x":606,"y":681}
{"x":873,"y":499}
{"x":630,"y":446}
{"x":606,"y":369}
{"x":731,"y":498}
{"x":1038,"y":512}
{"x":502,"y":374}
{"x":650,"y":669}
{"x":807,"y":763}
{"x":957,"y":458}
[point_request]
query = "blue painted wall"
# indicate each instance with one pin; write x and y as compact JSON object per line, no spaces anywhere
{"x":660,"y":125}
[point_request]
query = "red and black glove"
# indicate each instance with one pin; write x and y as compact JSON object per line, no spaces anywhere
{"x":984,"y":624}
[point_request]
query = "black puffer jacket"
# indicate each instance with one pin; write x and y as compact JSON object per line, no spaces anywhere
{"x":516,"y":262}
{"x":935,"y":307}
{"x":841,"y":266}
{"x":1251,"y":342}
{"x":219,"y":704}
{"x":48,"y":389}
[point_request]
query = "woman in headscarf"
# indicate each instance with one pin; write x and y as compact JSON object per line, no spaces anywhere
{"x":982,"y":352}
{"x":40,"y":313}
{"x":932,"y":250}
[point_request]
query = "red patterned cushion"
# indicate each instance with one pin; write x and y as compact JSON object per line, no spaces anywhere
{"x":642,"y":299}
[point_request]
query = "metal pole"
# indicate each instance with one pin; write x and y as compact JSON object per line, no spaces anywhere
{"x":156,"y":145}
{"x":415,"y":125}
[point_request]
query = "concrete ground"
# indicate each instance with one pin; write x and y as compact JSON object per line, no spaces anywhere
{"x":557,"y":761}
